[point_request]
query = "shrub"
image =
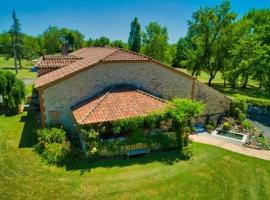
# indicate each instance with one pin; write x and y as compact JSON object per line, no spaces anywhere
{"x":209,"y":128}
{"x":50,"y":135}
{"x":239,"y":109}
{"x":12,"y":89}
{"x":53,"y":146}
{"x":227,"y":126}
{"x":187,"y":152}
{"x":91,"y":137}
{"x":247,"y":125}
{"x":56,"y":153}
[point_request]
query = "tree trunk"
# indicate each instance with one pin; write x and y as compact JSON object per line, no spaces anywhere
{"x":14,"y":53}
{"x":19,"y":59}
{"x":245,"y":82}
{"x":225,"y":80}
{"x":260,"y":86}
{"x":193,"y":72}
{"x":210,"y":81}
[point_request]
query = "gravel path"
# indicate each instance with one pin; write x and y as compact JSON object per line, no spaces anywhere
{"x":212,"y":140}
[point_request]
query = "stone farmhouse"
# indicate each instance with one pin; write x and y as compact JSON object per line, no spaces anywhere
{"x":98,"y":84}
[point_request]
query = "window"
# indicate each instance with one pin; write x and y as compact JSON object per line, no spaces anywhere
{"x":54,"y":117}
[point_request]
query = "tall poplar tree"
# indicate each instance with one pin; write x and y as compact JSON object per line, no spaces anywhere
{"x":134,"y":40}
{"x":16,"y":40}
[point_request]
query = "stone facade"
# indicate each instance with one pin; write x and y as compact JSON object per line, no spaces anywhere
{"x":150,"y":77}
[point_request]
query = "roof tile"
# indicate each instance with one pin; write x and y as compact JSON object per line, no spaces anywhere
{"x":117,"y":104}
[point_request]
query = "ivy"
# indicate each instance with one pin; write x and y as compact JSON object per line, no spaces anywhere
{"x":177,"y":110}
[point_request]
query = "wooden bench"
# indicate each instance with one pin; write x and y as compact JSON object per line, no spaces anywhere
{"x":137,"y":149}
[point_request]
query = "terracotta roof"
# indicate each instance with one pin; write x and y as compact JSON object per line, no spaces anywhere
{"x":54,"y":61}
{"x":92,"y":56}
{"x":95,"y":55}
{"x":119,"y":103}
{"x":124,"y":55}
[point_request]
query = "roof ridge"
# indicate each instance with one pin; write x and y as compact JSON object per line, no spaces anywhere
{"x":150,"y":95}
{"x":92,"y":110}
{"x":135,"y":53}
{"x":116,"y":50}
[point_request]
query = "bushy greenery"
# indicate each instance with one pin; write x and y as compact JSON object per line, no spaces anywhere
{"x":239,"y":109}
{"x":91,"y":138}
{"x":51,"y":135}
{"x":247,"y":125}
{"x":57,"y":153}
{"x":12,"y":89}
{"x":53,"y":146}
{"x":161,"y":140}
{"x":177,"y":110}
{"x":209,"y":128}
{"x":227,"y":126}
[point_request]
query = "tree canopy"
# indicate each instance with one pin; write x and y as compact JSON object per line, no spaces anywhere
{"x":155,"y":41}
{"x":12,"y":89}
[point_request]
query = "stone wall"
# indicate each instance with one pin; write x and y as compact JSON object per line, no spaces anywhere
{"x":215,"y":102}
{"x":147,"y":76}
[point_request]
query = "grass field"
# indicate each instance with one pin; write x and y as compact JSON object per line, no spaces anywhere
{"x":25,"y":72}
{"x":252,"y":93}
{"x":212,"y":173}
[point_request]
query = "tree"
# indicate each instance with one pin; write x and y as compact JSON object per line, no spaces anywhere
{"x":180,"y":54}
{"x":70,"y":40}
{"x":134,"y":40}
{"x":12,"y":89}
{"x":249,"y":57}
{"x":16,"y":40}
{"x":209,"y":36}
{"x":180,"y":111}
{"x":50,"y":40}
{"x":119,"y":44}
{"x":31,"y":48}
{"x":99,"y":42}
{"x":55,"y":40}
{"x":155,"y":41}
{"x":6,"y":45}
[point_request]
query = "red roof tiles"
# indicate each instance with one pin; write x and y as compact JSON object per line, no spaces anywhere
{"x":117,"y":104}
{"x":55,"y":62}
{"x":93,"y":55}
{"x":124,"y":55}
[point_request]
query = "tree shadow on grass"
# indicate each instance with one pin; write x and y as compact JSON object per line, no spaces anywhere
{"x":29,"y":136}
{"x":250,"y":91}
{"x":168,"y":157}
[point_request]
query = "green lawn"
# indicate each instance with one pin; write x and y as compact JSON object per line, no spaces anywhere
{"x":25,"y":72}
{"x":252,"y":93}
{"x":212,"y":173}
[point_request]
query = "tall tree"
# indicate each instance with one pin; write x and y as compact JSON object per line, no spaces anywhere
{"x":55,"y":40}
{"x":208,"y":34}
{"x":180,"y":54}
{"x":155,"y":41}
{"x":16,"y":40}
{"x":134,"y":40}
{"x":249,"y":57}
